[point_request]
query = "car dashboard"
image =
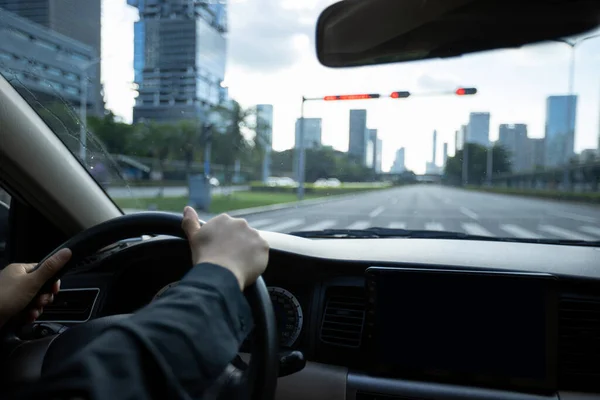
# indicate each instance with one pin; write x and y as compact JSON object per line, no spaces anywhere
{"x":374,"y":327}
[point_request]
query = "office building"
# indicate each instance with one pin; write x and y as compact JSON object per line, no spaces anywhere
{"x":44,"y":62}
{"x":459,"y":138}
{"x":560,"y":129}
{"x":378,"y":155}
{"x":478,"y":130}
{"x":75,"y":19}
{"x":445,"y":155}
{"x":513,"y":138}
{"x":434,"y":146}
{"x":399,"y":166}
{"x":179,"y":58}
{"x":537,"y":148}
{"x":264,"y":133}
{"x":359,"y":136}
{"x":371,"y":156}
{"x":312,"y":133}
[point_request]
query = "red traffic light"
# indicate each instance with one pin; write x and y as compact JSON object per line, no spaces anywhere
{"x":352,"y":97}
{"x":399,"y":95}
{"x":465,"y":91}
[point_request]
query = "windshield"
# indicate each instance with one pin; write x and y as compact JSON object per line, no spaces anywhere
{"x":169,"y":103}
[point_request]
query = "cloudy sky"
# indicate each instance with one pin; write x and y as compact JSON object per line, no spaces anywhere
{"x":271,"y":59}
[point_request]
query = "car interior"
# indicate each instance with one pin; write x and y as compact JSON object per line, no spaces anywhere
{"x":343,"y":318}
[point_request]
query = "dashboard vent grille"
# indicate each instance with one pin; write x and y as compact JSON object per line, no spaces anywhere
{"x":71,"y":305}
{"x":579,"y":341}
{"x":344,"y":317}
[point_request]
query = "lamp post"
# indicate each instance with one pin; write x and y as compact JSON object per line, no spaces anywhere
{"x":83,"y":107}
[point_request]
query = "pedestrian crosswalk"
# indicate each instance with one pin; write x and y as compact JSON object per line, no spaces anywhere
{"x":479,"y":228}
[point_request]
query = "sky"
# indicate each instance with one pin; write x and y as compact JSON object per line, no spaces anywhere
{"x":272,"y":60}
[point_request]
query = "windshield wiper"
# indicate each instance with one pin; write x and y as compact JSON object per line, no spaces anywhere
{"x":375,"y":232}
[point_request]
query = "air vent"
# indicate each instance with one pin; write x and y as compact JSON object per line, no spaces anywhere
{"x":579,"y":342}
{"x":344,"y":316}
{"x":71,"y":305}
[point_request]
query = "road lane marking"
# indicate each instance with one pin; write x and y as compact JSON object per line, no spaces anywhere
{"x":260,"y":222}
{"x":359,"y":225}
{"x":593,"y":230}
{"x":576,"y":217}
{"x":284,"y":225}
{"x":476,"y":229}
{"x":328,"y":223}
{"x":519,"y":232}
{"x":564,"y":233}
{"x":434,"y":226}
{"x":397,"y":225}
{"x":376,"y":212}
{"x":469,"y":213}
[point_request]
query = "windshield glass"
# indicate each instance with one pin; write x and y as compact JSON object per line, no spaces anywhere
{"x":170,"y":102}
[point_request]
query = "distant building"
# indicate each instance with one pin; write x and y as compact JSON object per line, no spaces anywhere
{"x":378,"y":155}
{"x":431,"y":168}
{"x":399,"y":165}
{"x":560,"y":129}
{"x":445,"y":155}
{"x":312,"y":133}
{"x":513,"y":138}
{"x":588,"y":156}
{"x":264,"y":131}
{"x":478,"y":130}
{"x":45,"y":62}
{"x":78,"y":20}
{"x":371,"y":156}
{"x":359,"y":136}
{"x":434,"y":146}
{"x":537,"y":148}
{"x":459,"y":138}
{"x":179,"y":58}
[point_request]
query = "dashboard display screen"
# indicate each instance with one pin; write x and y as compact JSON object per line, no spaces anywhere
{"x":480,"y":327}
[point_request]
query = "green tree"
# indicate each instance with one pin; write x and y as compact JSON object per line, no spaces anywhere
{"x":477,"y":164}
{"x":115,"y":135}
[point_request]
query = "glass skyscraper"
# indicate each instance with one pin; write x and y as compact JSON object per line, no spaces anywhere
{"x":561,"y":112}
{"x":179,"y":58}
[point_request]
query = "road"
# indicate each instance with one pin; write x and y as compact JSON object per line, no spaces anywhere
{"x":122,"y":192}
{"x":434,"y":207}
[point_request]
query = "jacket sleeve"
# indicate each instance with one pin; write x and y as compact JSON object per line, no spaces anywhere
{"x":173,"y":348}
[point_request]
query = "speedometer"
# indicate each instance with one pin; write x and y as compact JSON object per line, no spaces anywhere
{"x":288,"y":314}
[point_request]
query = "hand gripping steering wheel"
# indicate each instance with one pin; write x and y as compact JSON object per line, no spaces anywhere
{"x":259,"y":379}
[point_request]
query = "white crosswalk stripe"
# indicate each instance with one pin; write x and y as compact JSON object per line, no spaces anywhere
{"x":282,"y":226}
{"x":358,"y":225}
{"x":328,"y":223}
{"x":592,"y":230}
{"x":397,"y":225}
{"x":519,"y":232}
{"x":260,"y":222}
{"x":475,"y":229}
{"x":564,"y":233}
{"x":434,"y":226}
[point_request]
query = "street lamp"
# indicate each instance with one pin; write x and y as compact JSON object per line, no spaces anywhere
{"x":83,"y":106}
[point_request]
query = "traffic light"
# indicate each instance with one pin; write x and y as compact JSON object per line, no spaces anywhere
{"x":352,"y":97}
{"x":399,"y":95}
{"x":465,"y":91}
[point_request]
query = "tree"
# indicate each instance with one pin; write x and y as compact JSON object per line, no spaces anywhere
{"x":477,"y":164}
{"x":115,"y":135}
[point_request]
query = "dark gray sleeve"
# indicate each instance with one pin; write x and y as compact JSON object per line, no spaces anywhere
{"x":173,"y":348}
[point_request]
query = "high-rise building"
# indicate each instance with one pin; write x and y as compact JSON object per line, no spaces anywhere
{"x":78,"y":20}
{"x":378,"y":155}
{"x":264,"y":132}
{"x":359,"y":135}
{"x":445,"y":154}
{"x":513,"y":138}
{"x":43,"y":62}
{"x":398,"y":167}
{"x":478,"y":130}
{"x":537,"y":148}
{"x":434,"y":146}
{"x":561,"y":114}
{"x":371,"y":155}
{"x":460,"y":137}
{"x":179,"y":58}
{"x":312,"y":133}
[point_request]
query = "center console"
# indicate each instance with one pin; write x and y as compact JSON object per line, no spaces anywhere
{"x":476,"y":328}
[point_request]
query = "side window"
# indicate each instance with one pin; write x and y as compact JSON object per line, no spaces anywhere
{"x":4,"y":207}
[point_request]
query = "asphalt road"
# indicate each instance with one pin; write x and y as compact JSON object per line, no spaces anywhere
{"x":442,"y":208}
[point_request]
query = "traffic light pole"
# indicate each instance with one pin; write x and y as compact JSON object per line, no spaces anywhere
{"x":301,"y":153}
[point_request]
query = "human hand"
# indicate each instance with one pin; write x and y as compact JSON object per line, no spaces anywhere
{"x":228,"y":242}
{"x":19,"y":285}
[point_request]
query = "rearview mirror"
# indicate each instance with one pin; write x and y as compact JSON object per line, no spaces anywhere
{"x":366,"y":32}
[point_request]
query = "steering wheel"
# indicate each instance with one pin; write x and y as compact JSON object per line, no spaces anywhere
{"x":259,"y":379}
